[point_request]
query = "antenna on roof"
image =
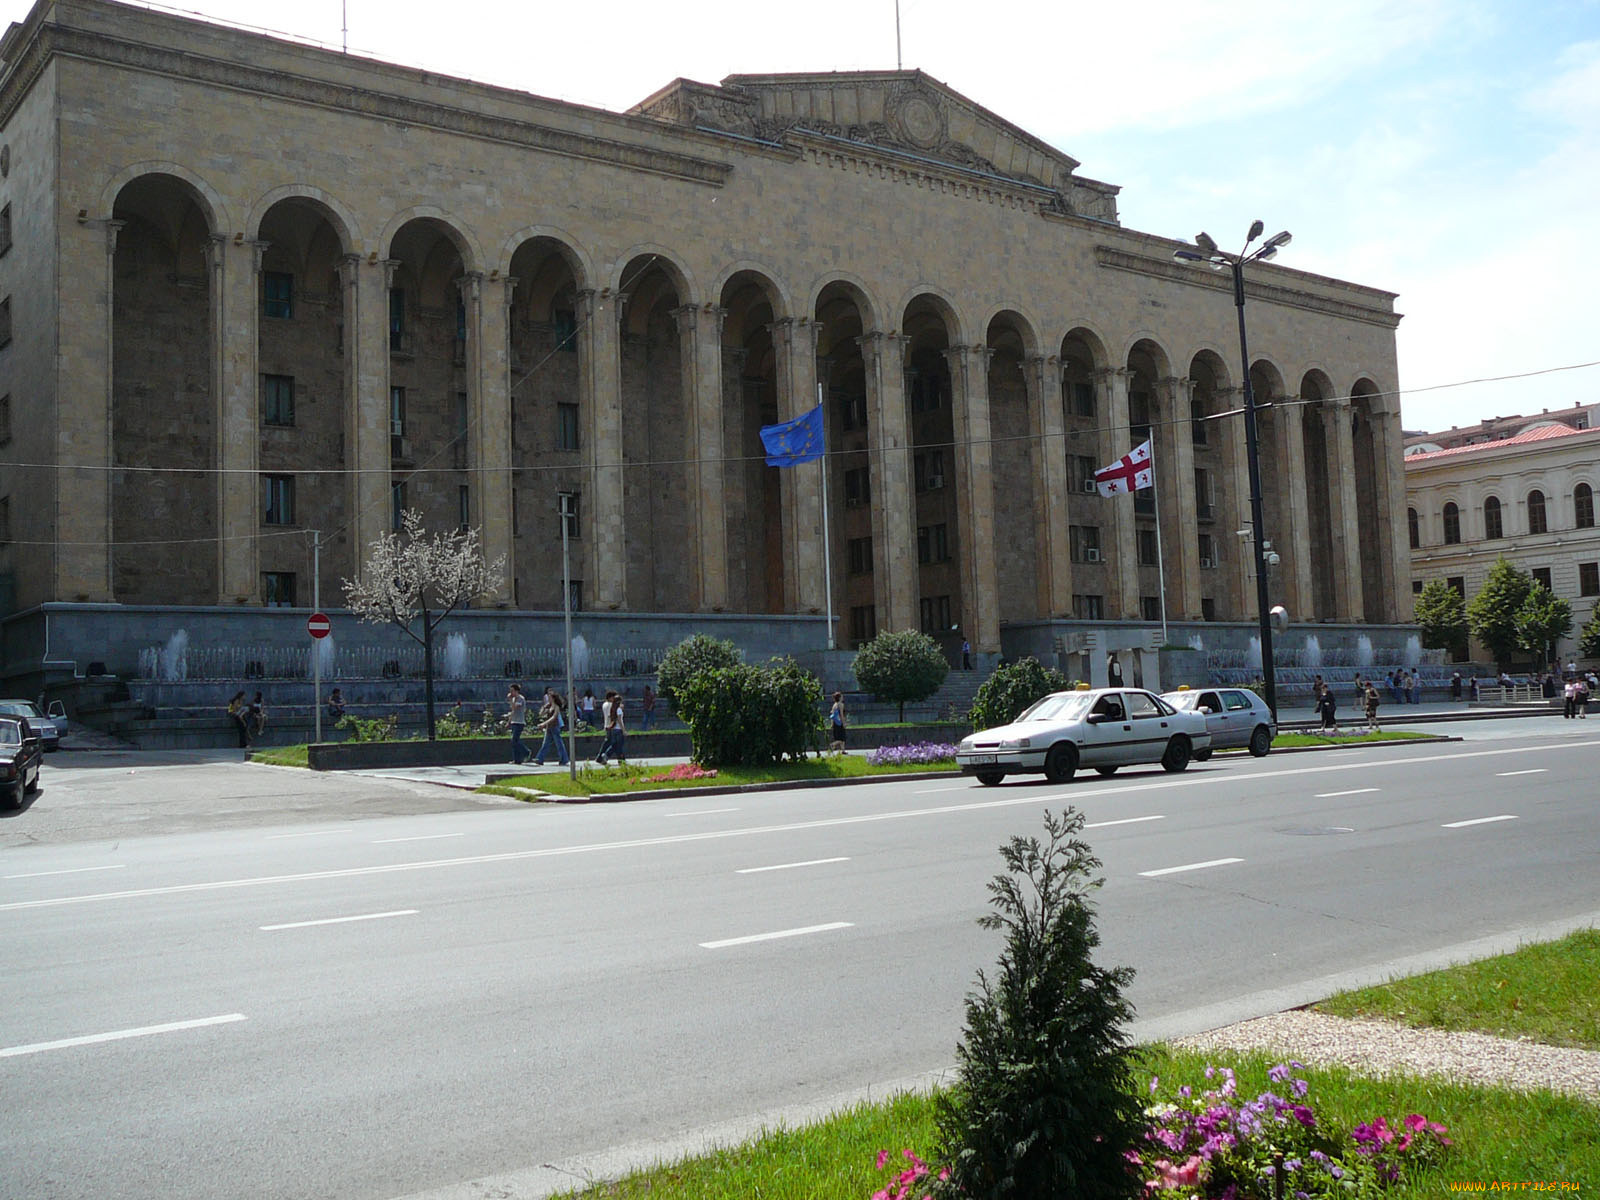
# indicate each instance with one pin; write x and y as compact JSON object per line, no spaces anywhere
{"x":898,"y":65}
{"x":344,"y":26}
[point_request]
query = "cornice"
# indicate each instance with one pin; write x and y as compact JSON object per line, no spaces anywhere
{"x":56,"y":40}
{"x":1116,"y":259}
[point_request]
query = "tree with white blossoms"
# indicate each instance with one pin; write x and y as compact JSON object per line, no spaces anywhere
{"x":410,"y":578}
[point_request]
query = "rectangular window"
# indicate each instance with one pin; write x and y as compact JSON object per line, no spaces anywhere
{"x":1150,"y":607}
{"x":575,"y":595}
{"x":277,"y":294}
{"x":1208,"y":609}
{"x":1089,"y":608}
{"x":459,"y":347}
{"x":1208,"y":551}
{"x":277,"y":589}
{"x":1084,"y":472}
{"x":1198,"y":425}
{"x":935,"y":615}
{"x":5,"y":519}
{"x":1416,"y":587}
{"x":1458,"y":583}
{"x":5,"y":321}
{"x":927,"y":392}
{"x":863,"y":624}
{"x":933,"y":543}
{"x":5,"y":229}
{"x":858,"y":487}
{"x":567,"y":505}
{"x":277,"y":499}
{"x":5,"y":419}
{"x":1204,"y":508}
{"x":860,"y":554}
{"x":1589,"y":579}
{"x":397,"y":412}
{"x":1084,"y":543}
{"x":277,"y":399}
{"x":397,"y":318}
{"x":852,"y":411}
{"x":463,"y":506}
{"x":928,"y":469}
{"x":1144,"y":501}
{"x":397,"y":506}
{"x":1082,"y":399}
{"x":1147,"y":548}
{"x":1542,"y":575}
{"x":565,"y":322}
{"x":566,"y":426}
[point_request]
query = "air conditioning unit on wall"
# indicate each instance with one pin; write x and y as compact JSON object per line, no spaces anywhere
{"x":1090,"y":554}
{"x":1207,"y":563}
{"x":1090,"y":486}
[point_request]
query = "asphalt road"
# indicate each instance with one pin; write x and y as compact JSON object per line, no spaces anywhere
{"x":368,"y":988}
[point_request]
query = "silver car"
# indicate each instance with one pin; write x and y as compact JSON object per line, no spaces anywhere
{"x":47,"y":729}
{"x":1234,"y":717}
{"x":1103,"y":728}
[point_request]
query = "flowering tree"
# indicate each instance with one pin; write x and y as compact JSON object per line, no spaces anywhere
{"x":410,"y":579}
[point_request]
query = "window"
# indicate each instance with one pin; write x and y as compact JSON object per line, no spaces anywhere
{"x":1458,"y":584}
{"x":1198,"y":425}
{"x":1150,"y":607}
{"x":568,"y":503}
{"x":1493,"y":527}
{"x":1583,"y":506}
{"x":1204,"y":508}
{"x":928,"y":470}
{"x":1208,"y":609}
{"x":1082,"y":399}
{"x":5,"y":519}
{"x":5,"y":229}
{"x":277,"y":499}
{"x":852,"y":411}
{"x":1084,"y":543}
{"x":459,"y":348}
{"x":1084,"y":473}
{"x":397,"y":506}
{"x":397,"y":412}
{"x":935,"y":614}
{"x":859,"y":551}
{"x":926,"y":391}
{"x":566,"y":426}
{"x":1142,"y":706}
{"x":863,"y":624}
{"x":1541,"y":576}
{"x":5,"y":420}
{"x":575,"y":595}
{"x":1416,"y":587}
{"x":1413,"y":528}
{"x":857,"y":487}
{"x":566,"y":328}
{"x":1208,"y":551}
{"x":933,"y":544}
{"x":1452,"y":525}
{"x":277,"y":399}
{"x":463,"y":506}
{"x":1536,"y":519}
{"x":1589,"y":579}
{"x":5,"y":321}
{"x":1089,"y":608}
{"x":397,"y":318}
{"x":277,"y":294}
{"x":1147,"y":548}
{"x":277,"y":589}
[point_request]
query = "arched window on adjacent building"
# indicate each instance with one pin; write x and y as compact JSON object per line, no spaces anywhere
{"x":1536,"y":520}
{"x":1414,"y":528}
{"x":1493,"y":527}
{"x":1583,"y":505}
{"x":1452,"y":525}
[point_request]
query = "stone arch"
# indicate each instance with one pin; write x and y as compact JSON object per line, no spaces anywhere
{"x":752,"y":302}
{"x":925,"y":298}
{"x":1323,"y":490}
{"x":1018,"y":467}
{"x":1154,"y":417}
{"x":1373,"y":500}
{"x":940,"y":407}
{"x":465,"y":243}
{"x":778,"y":297}
{"x":207,"y":197}
{"x":844,"y":314}
{"x":630,"y":268}
{"x":578,"y":259}
{"x":839,"y":286}
{"x":332,"y":210}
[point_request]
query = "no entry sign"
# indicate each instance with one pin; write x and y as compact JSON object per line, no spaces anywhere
{"x":318,"y":625}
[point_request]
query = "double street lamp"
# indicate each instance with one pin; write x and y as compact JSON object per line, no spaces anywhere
{"x":1219,"y":260}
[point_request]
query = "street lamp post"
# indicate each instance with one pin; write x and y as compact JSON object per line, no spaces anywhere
{"x":1218,"y":260}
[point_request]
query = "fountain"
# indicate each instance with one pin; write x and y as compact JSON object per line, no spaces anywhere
{"x":1363,"y":650}
{"x":322,"y":651}
{"x":174,"y":664}
{"x":1313,"y":651}
{"x":455,"y":656}
{"x":1253,"y":657}
{"x":1413,"y":650}
{"x":580,"y":657}
{"x":1196,"y":642}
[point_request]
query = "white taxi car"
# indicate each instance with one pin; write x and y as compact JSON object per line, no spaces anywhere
{"x":1103,"y":728}
{"x":1234,"y":717}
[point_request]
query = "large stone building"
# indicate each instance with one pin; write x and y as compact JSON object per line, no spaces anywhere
{"x":252,"y":288}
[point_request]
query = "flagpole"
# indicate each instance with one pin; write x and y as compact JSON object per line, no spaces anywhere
{"x":1161,"y":561}
{"x":827,"y":558}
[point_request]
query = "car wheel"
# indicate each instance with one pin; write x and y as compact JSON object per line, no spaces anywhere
{"x":1177,"y":756}
{"x":14,"y":796}
{"x":990,"y":778}
{"x":1202,"y":755}
{"x":1106,"y":770}
{"x":1260,"y":742}
{"x":38,"y":783}
{"x":1061,"y":763}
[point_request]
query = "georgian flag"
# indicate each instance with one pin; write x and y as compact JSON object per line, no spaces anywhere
{"x":1131,"y":473}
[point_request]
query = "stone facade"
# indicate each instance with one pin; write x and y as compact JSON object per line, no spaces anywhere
{"x":260,"y":289}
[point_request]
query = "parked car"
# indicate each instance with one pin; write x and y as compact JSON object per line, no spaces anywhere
{"x":49,"y":729}
{"x":21,"y":760}
{"x":1103,"y":728}
{"x":1234,"y":717}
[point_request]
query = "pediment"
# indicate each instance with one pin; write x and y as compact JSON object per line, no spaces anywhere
{"x":906,"y":112}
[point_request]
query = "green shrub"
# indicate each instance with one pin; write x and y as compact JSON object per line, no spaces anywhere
{"x":1046,"y":1101}
{"x":1011,"y":689}
{"x":375,"y":729}
{"x":742,"y":715}
{"x":454,"y":725}
{"x":689,"y":658}
{"x":901,"y":666}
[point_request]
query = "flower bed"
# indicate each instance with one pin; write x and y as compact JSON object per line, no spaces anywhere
{"x":682,"y":773}
{"x":916,"y":754}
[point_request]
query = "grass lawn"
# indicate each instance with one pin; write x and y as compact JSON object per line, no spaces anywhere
{"x":283,"y":756}
{"x":1546,"y":993}
{"x":598,"y":781}
{"x":1288,"y":741}
{"x":1498,"y":1134}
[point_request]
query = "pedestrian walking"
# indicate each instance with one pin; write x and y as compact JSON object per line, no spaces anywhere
{"x":1317,"y":687}
{"x":1371,"y":699}
{"x":1113,"y":670}
{"x":647,"y":709}
{"x":552,"y":723}
{"x":966,"y":655}
{"x":1455,"y":686}
{"x":612,"y":743}
{"x":517,"y":720}
{"x":236,"y":710}
{"x":1328,"y":706}
{"x":836,"y":720}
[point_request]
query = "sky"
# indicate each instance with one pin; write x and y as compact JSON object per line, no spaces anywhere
{"x":1446,"y":150}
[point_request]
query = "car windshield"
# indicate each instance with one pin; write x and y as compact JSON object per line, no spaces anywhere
{"x":20,"y":708}
{"x":1183,"y":700}
{"x":10,"y":733}
{"x":1061,"y":706}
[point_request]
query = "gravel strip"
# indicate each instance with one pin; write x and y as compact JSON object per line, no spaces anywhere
{"x":1386,"y":1048}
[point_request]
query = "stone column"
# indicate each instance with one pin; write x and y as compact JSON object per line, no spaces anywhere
{"x":488,"y":305}
{"x":744,"y":541}
{"x":1051,"y":483}
{"x":1180,"y":545}
{"x":1115,"y":441}
{"x":1235,"y":512}
{"x":1293,"y":543}
{"x":893,"y":502}
{"x":700,"y":347}
{"x":235,"y":390}
{"x":1343,"y":516}
{"x":85,"y":387}
{"x":974,"y":462}
{"x":1393,"y":541}
{"x":600,"y":398}
{"x":366,"y":412}
{"x":794,"y":344}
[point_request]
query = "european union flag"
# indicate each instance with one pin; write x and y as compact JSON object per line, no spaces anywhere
{"x":794,"y":442}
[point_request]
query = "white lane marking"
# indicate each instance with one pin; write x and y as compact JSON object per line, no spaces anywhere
{"x":781,"y":933}
{"x":1480,"y":821}
{"x":1199,"y":866}
{"x":1211,"y":779}
{"x":426,"y":837}
{"x":813,"y":862}
{"x":66,"y":871}
{"x":399,"y":912}
{"x":272,"y":837}
{"x":117,"y":1036}
{"x":1351,"y":792}
{"x":700,"y":812}
{"x":1123,"y":821}
{"x":1530,"y":771}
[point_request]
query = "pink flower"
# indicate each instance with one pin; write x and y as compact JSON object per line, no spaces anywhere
{"x":883,"y":1157}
